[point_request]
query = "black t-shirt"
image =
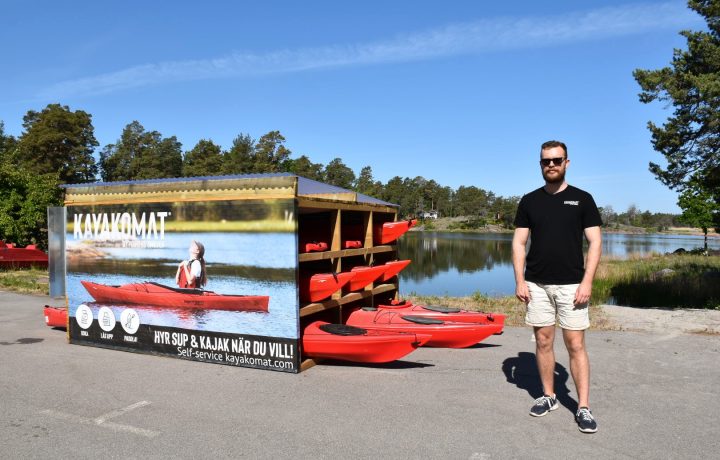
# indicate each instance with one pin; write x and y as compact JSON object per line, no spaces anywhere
{"x":557,"y":223}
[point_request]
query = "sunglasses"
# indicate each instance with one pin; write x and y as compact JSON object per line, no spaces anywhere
{"x":556,"y":161}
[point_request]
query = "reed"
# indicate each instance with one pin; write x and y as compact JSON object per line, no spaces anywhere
{"x":660,"y":281}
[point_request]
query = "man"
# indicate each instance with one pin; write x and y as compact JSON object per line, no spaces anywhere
{"x":552,"y":280}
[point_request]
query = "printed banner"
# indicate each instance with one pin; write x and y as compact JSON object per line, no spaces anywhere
{"x":207,"y":281}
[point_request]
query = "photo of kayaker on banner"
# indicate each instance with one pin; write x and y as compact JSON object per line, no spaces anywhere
{"x":213,"y":266}
{"x":191,"y":273}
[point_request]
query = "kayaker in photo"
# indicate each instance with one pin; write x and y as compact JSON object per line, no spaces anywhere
{"x":191,"y":273}
{"x":552,"y":279}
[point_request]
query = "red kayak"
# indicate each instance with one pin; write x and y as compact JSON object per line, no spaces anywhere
{"x":458,"y":315}
{"x":393,"y":268}
{"x":316,"y":246}
{"x":352,"y":244}
{"x":364,"y":276}
{"x":158,"y":295}
{"x":29,"y":256}
{"x":55,"y":316}
{"x":348,"y":343}
{"x":390,"y":231}
{"x":444,"y":333}
{"x":322,"y":285}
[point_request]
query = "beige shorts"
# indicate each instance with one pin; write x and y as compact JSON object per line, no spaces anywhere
{"x":548,"y":301}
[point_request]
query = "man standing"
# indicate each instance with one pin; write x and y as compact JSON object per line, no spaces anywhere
{"x":552,"y":280}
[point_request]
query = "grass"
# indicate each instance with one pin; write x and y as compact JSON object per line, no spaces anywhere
{"x":667,"y":281}
{"x":511,"y":307}
{"x":29,"y":281}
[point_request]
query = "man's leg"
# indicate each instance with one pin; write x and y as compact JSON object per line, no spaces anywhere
{"x":545,"y":356}
{"x":579,"y":364}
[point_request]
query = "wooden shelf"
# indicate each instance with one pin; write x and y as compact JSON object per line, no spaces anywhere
{"x":312,"y":256}
{"x":347,"y":298}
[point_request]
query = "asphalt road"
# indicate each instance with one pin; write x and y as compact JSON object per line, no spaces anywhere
{"x":654,"y":395}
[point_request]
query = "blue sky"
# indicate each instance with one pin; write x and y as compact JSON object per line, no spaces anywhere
{"x":460,"y":92}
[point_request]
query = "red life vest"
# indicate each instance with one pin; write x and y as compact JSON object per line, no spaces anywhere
{"x":183,"y":281}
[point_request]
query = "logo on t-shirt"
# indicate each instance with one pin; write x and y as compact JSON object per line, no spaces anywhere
{"x":572,"y":203}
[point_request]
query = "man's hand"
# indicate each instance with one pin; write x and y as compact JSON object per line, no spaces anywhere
{"x":582,"y":295}
{"x":522,"y":292}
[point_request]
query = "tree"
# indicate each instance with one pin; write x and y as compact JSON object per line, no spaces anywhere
{"x":270,"y":153}
{"x":337,"y":173}
{"x":699,"y":209}
{"x":239,"y":159}
{"x":140,"y":154}
{"x":59,"y":141}
{"x":7,"y":144}
{"x":690,"y":139}
{"x":24,"y":198}
{"x":305,"y":168}
{"x":205,"y":159}
{"x":365,"y":183}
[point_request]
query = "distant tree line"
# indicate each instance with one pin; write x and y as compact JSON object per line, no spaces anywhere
{"x":57,"y":146}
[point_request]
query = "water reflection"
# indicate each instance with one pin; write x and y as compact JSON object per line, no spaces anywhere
{"x":460,"y":264}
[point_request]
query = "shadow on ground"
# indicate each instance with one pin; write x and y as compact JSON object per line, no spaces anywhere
{"x":522,"y":372}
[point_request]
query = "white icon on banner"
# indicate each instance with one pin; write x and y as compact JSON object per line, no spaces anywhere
{"x":84,"y":316}
{"x":106,"y":319}
{"x":129,"y":320}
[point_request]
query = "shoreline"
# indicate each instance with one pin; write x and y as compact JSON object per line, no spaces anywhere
{"x":493,"y":230}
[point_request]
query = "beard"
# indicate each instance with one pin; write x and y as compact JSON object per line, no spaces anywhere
{"x":556,"y":179}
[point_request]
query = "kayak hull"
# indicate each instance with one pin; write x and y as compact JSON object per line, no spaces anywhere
{"x":444,"y":335}
{"x":364,"y":276}
{"x":373,"y":346}
{"x":322,"y":285}
{"x":30,"y":256}
{"x":55,"y":316}
{"x":393,"y":268}
{"x":390,"y":231}
{"x":158,"y":295}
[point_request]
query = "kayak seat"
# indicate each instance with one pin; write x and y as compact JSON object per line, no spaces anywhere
{"x":369,"y":309}
{"x":421,"y":319}
{"x":342,"y":329}
{"x":441,"y":309}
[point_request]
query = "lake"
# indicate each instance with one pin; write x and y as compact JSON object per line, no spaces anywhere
{"x":460,"y":264}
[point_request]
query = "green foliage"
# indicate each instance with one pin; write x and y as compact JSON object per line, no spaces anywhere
{"x":239,"y":159}
{"x":270,"y":153}
{"x":337,"y":173}
{"x":140,"y":154}
{"x":699,"y":209}
{"x":305,"y":168}
{"x":205,"y":159}
{"x":8,"y":144}
{"x":58,"y":141}
{"x":24,"y":198}
{"x":365,"y":183}
{"x":690,"y":139}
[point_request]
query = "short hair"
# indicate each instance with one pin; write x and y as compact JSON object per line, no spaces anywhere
{"x":553,"y":144}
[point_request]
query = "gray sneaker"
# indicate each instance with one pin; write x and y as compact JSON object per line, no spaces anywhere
{"x":543,"y":405}
{"x":585,"y":420}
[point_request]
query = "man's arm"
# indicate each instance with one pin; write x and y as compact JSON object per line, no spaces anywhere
{"x":584,"y":291}
{"x":519,"y":244}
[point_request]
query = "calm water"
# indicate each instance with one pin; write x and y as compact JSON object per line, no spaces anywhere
{"x":459,"y":264}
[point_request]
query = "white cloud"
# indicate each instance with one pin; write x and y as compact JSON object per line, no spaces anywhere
{"x":487,"y":35}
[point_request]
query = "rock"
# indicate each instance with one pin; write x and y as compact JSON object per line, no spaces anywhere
{"x":664,"y":273}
